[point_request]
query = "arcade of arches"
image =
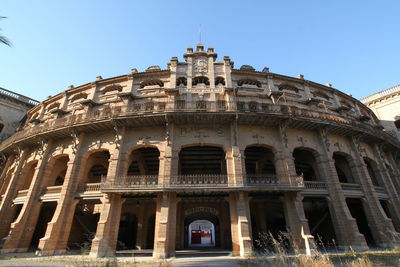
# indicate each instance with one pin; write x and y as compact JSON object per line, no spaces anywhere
{"x":170,"y":221}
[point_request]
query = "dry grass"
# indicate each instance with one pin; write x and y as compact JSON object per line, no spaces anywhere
{"x":313,"y":261}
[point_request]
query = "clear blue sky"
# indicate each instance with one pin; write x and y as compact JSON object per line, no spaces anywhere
{"x":355,"y":45}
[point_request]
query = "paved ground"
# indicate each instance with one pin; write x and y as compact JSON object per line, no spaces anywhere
{"x":191,"y":258}
{"x":224,"y":261}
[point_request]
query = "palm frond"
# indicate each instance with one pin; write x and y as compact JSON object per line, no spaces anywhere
{"x":4,"y":40}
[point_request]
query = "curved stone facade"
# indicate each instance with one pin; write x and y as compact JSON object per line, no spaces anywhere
{"x":138,"y":160}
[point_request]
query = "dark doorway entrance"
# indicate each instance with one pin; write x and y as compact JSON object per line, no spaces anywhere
{"x":357,"y":211}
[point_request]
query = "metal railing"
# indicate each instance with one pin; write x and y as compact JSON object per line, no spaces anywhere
{"x":314,"y":185}
{"x":131,"y":181}
{"x":199,"y":180}
{"x":193,"y":180}
{"x":262,"y":179}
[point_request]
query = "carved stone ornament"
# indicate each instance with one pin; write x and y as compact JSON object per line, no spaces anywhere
{"x":200,"y":65}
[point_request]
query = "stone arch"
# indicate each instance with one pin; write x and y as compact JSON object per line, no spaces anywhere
{"x":219,"y":80}
{"x":58,"y":168}
{"x":343,"y":166}
{"x":153,"y":82}
{"x":202,"y":159}
{"x":181,"y":81}
{"x":260,"y":161}
{"x":200,"y":79}
{"x":213,"y":218}
{"x":306,"y":163}
{"x":96,"y":163}
{"x":27,"y":175}
{"x":372,"y":169}
{"x":143,"y":160}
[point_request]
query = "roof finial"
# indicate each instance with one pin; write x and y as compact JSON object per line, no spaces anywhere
{"x":200,"y":34}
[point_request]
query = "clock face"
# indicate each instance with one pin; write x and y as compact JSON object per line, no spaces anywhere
{"x":200,"y":65}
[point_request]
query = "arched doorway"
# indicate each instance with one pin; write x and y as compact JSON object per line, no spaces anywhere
{"x":201,"y":234}
{"x":202,"y":229}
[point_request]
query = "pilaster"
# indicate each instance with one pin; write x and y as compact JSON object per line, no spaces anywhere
{"x":297,"y":222}
{"x":346,"y":230}
{"x":22,"y":229}
{"x":58,"y":229}
{"x":381,"y":227}
{"x":6,"y":204}
{"x":165,"y":231}
{"x":240,"y":223}
{"x":105,"y":242}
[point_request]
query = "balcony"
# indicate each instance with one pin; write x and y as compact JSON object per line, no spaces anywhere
{"x":350,"y":187}
{"x":141,"y":112}
{"x":87,"y":188}
{"x":196,"y":182}
{"x":315,"y":185}
{"x":51,"y":193}
{"x":21,"y":196}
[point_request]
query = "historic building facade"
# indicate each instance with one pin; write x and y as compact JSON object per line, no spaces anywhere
{"x":386,"y":105}
{"x":198,"y":154}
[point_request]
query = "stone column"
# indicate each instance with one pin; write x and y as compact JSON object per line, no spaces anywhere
{"x":117,"y":161}
{"x":388,"y":184}
{"x":6,"y":208}
{"x":235,"y":159}
{"x":296,"y":221}
{"x":240,"y":223}
{"x":346,"y":230}
{"x":105,"y":241}
{"x":58,"y":229}
{"x":165,"y":231}
{"x":381,"y":227}
{"x":169,"y":158}
{"x":140,"y":234}
{"x":284,"y":161}
{"x":22,"y":229}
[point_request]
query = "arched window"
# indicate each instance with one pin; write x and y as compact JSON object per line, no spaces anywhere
{"x":111,"y":88}
{"x":200,"y":80}
{"x":219,"y":81}
{"x":78,"y":96}
{"x":288,"y":88}
{"x":371,"y":167}
{"x":305,"y":164}
{"x":244,"y":82}
{"x":343,"y":169}
{"x":155,"y":82}
{"x":181,"y":81}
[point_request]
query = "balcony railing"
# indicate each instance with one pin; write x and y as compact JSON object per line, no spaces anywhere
{"x":199,"y":180}
{"x":92,"y":187}
{"x":350,"y":187}
{"x":139,"y":182}
{"x":105,"y":113}
{"x":380,"y":190}
{"x":315,"y":185}
{"x":52,"y":190}
{"x":262,"y":179}
{"x":22,"y":193}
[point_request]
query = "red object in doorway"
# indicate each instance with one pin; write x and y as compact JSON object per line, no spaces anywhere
{"x":196,"y":236}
